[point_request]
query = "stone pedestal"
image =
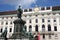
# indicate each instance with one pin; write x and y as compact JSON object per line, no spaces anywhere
{"x":18,"y":29}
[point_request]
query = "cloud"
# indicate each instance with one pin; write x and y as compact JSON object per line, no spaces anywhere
{"x":24,"y":3}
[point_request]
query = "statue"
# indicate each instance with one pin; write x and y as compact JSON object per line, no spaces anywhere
{"x":20,"y":11}
{"x":4,"y":34}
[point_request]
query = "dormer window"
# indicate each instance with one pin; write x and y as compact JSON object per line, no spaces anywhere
{"x":30,"y":10}
{"x":42,"y":8}
{"x":25,"y":10}
{"x":48,"y":8}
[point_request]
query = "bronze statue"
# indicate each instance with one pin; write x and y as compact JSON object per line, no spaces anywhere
{"x":4,"y":34}
{"x":20,"y":11}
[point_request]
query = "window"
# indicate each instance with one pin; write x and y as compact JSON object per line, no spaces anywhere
{"x":55,"y":28}
{"x":30,"y":21}
{"x":6,"y":23}
{"x":10,"y":30}
{"x":48,"y":20}
{"x":49,"y":27}
{"x":1,"y":30}
{"x":54,"y":20}
{"x":43,"y":8}
{"x":30,"y":9}
{"x":25,"y":10}
{"x":49,"y":36}
{"x":43,"y":27}
{"x":11,"y":22}
{"x":36,"y":28}
{"x":11,"y":17}
{"x":48,"y":8}
{"x":43,"y":36}
{"x":36,"y":20}
{"x":42,"y":20}
{"x":30,"y":28}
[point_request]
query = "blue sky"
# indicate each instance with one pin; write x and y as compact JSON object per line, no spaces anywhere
{"x":9,"y":5}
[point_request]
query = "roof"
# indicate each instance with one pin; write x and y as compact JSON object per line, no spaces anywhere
{"x":15,"y":11}
{"x":8,"y":12}
{"x":56,"y":8}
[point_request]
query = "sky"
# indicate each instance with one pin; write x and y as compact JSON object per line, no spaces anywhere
{"x":9,"y":5}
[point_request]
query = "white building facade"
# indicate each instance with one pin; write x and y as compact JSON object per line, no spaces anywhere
{"x":45,"y":21}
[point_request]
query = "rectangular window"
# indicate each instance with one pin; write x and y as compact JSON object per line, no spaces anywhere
{"x":54,"y":20}
{"x":42,"y":20}
{"x":30,"y":21}
{"x":36,"y":20}
{"x":10,"y":30}
{"x":1,"y":30}
{"x":25,"y":10}
{"x":55,"y":28}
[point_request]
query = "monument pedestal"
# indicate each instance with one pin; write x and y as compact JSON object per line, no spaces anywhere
{"x":19,"y":29}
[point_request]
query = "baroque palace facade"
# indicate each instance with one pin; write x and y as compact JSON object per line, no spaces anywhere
{"x":45,"y":20}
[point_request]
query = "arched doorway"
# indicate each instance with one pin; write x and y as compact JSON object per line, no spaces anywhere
{"x":30,"y":28}
{"x":25,"y":28}
{"x":43,"y":27}
{"x":36,"y":28}
{"x":49,"y":27}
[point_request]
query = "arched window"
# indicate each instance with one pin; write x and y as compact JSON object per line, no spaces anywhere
{"x":55,"y":28}
{"x":49,"y":27}
{"x":43,"y":27}
{"x":36,"y":28}
{"x":30,"y":28}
